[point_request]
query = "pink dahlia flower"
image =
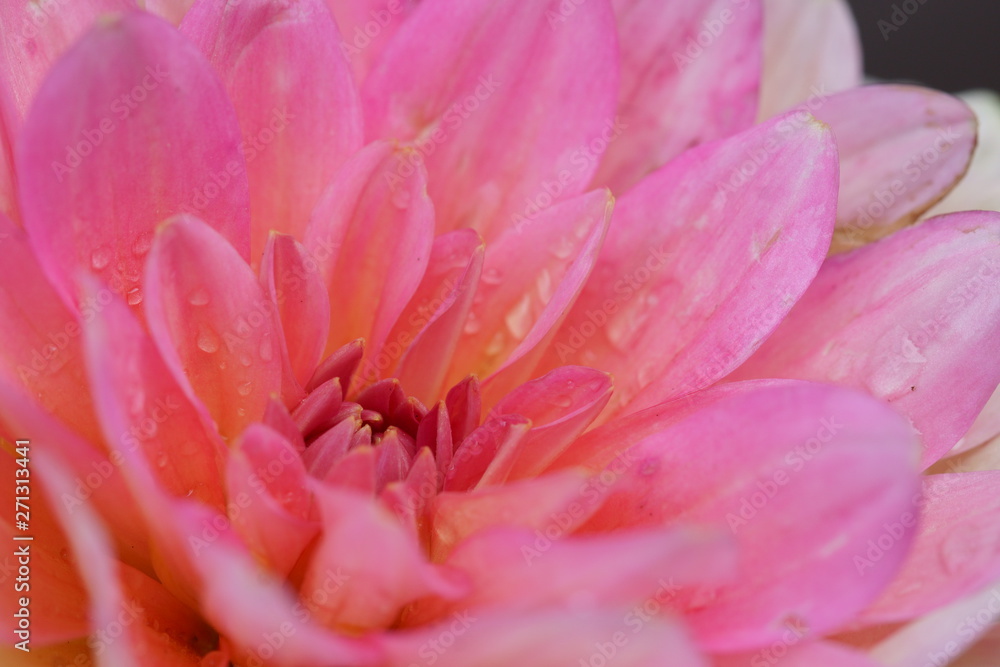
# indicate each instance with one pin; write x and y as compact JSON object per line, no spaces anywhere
{"x":484,"y":333}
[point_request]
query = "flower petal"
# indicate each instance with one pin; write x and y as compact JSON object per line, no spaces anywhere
{"x":531,"y":277}
{"x":367,"y":26}
{"x":811,"y":48}
{"x":957,"y":547}
{"x":804,"y":475}
{"x":676,"y":92}
{"x":34,"y":36}
{"x":43,"y":348}
{"x":139,"y":399}
{"x":520,"y":570}
{"x":426,"y":333}
{"x":906,"y":319}
{"x":975,"y":191}
{"x":212,"y":322}
{"x":109,"y":152}
{"x":550,"y":638}
{"x":902,"y":148}
{"x":461,"y":101}
{"x":294,"y":96}
{"x":372,"y":233}
{"x":382,"y":571}
{"x":658,"y":312}
{"x":290,"y":276}
{"x":788,"y":653}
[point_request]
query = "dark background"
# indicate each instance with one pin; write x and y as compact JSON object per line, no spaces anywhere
{"x":951,"y":45}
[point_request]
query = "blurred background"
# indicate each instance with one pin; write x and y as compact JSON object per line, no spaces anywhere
{"x":951,"y":45}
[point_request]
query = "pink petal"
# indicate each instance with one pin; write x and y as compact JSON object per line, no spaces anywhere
{"x":210,"y":318}
{"x":42,"y":350}
{"x":811,"y":49}
{"x":943,"y":634}
{"x":35,"y":36}
{"x":372,"y":234}
{"x":356,"y":471}
{"x":531,"y":276}
{"x":269,"y":504}
{"x":549,"y":638}
{"x":975,"y":191}
{"x":986,"y":426}
{"x":426,"y":334}
{"x":96,"y":479}
{"x":902,"y":148}
{"x":905,"y":319}
{"x":171,"y":10}
{"x":286,"y":55}
{"x":803,"y":475}
{"x":379,"y":565}
{"x":560,"y":405}
{"x":478,"y":453}
{"x":556,"y":503}
{"x":520,"y":571}
{"x":659,"y":313}
{"x":366,"y":27}
{"x":690,"y":74}
{"x":91,"y":544}
{"x":791,"y":652}
{"x":291,"y":278}
{"x":957,"y":547}
{"x":95,"y":184}
{"x":489,"y":155}
{"x":139,"y":400}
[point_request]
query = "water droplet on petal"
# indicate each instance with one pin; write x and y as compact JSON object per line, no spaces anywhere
{"x":245,"y":359}
{"x":161,"y":461}
{"x":142,"y":244}
{"x":199,"y":297}
{"x":101,"y":258}
{"x":266,"y":350}
{"x":244,"y":388}
{"x":518,"y":319}
{"x":134,"y":296}
{"x":241,"y":412}
{"x":564,"y":248}
{"x":208,"y":340}
{"x":492,"y":276}
{"x":472,"y":325}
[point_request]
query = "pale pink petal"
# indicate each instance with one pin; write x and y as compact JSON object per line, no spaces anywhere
{"x":209,"y":317}
{"x":690,"y":74}
{"x":172,"y":10}
{"x":109,"y":152}
{"x":549,"y":638}
{"x":555,"y":504}
{"x":791,"y":651}
{"x":957,"y":547}
{"x":427,"y":332}
{"x":811,"y":49}
{"x":96,"y":480}
{"x":490,"y":156}
{"x":518,"y":570}
{"x":902,"y":148}
{"x":658,"y":313}
{"x":943,"y":634}
{"x":975,"y":191}
{"x":366,"y":26}
{"x":269,"y":504}
{"x":291,"y":277}
{"x":804,"y":475}
{"x":531,"y":276}
{"x":33,"y":35}
{"x":139,"y":401}
{"x":383,"y":570}
{"x":91,"y":544}
{"x":40,"y":342}
{"x":985,"y":428}
{"x":906,"y":319}
{"x":372,"y":233}
{"x":295,"y":98}
{"x":560,"y":406}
